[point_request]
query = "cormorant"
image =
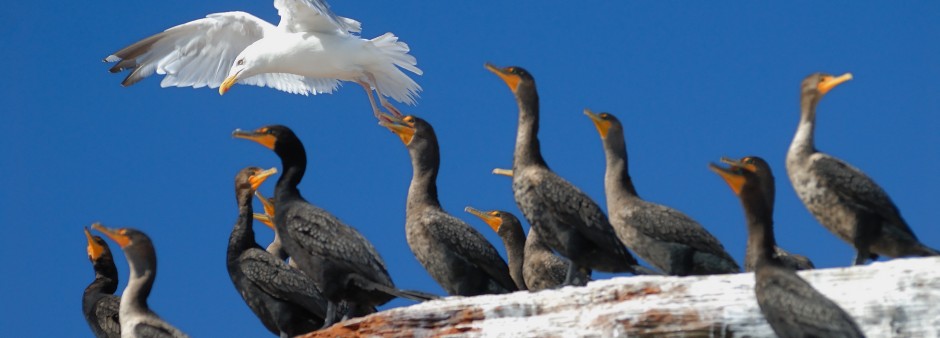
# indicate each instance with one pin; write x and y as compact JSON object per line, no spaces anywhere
{"x":342,"y":263}
{"x":99,"y":304}
{"x":137,"y":320}
{"x":664,"y":237}
{"x":532,"y":264}
{"x":285,"y":300}
{"x":566,"y":219}
{"x":841,"y":197}
{"x":455,"y":254}
{"x":792,"y":307}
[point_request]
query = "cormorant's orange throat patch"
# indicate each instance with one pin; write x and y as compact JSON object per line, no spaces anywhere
{"x":117,"y":235}
{"x":828,"y":82}
{"x":95,"y":250}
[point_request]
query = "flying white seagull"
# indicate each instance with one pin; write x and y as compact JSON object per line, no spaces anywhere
{"x":308,"y":52}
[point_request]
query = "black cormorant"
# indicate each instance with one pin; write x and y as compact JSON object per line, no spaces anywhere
{"x":137,"y":320}
{"x":841,"y":197}
{"x":664,"y":237}
{"x":99,"y":304}
{"x":343,"y":264}
{"x":566,"y":218}
{"x":455,"y":254}
{"x":792,"y":307}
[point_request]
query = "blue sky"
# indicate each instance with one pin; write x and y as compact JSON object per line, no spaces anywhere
{"x":691,"y":82}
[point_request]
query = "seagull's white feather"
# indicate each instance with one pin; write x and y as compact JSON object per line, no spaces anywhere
{"x":294,"y":84}
{"x":312,"y":16}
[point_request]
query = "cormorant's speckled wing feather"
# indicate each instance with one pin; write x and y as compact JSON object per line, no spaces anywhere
{"x":157,"y":331}
{"x":323,"y":235}
{"x":281,"y":281}
{"x":792,"y":305}
{"x":854,"y":187}
{"x":470,"y":244}
{"x":569,"y":205}
{"x":670,"y":225}
{"x":106,"y":311}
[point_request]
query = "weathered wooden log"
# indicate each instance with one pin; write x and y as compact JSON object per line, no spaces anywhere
{"x":899,"y":298}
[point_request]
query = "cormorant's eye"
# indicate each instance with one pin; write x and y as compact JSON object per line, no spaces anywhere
{"x":409,"y":119}
{"x":604,"y":115}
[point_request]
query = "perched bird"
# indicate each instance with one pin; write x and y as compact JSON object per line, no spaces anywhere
{"x":664,"y":237}
{"x":309,"y":52}
{"x":99,"y":304}
{"x":566,"y":218}
{"x":845,"y":200}
{"x":286,"y":301}
{"x":455,"y":254}
{"x":137,"y":320}
{"x":342,"y":263}
{"x":792,"y":307}
{"x":532,"y":264}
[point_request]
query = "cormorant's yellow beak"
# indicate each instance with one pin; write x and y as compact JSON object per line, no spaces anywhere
{"x":400,"y":128}
{"x":229,"y":82}
{"x":95,"y":250}
{"x":504,"y":172}
{"x":731,"y":175}
{"x":266,"y":219}
{"x":603,"y":126}
{"x":260,"y":177}
{"x":261,"y":136}
{"x":491,"y":218}
{"x":829,"y":82}
{"x":268,"y":205}
{"x":117,"y":235}
{"x":512,"y":80}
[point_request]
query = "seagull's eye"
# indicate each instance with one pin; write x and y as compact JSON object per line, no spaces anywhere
{"x":240,"y":62}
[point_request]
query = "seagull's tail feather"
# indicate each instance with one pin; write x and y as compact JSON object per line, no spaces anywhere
{"x":391,"y":81}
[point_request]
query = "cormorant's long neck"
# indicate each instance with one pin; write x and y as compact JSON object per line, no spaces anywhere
{"x":617,"y":183}
{"x":760,"y":227}
{"x":528,"y":152}
{"x":294,"y":164}
{"x":243,"y":236}
{"x":803,"y":142}
{"x":425,"y":162}
{"x":143,"y":272}
{"x":106,"y":275}
{"x":515,"y":252}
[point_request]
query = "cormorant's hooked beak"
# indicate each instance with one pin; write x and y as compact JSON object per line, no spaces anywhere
{"x":229,"y":82}
{"x":117,"y":235}
{"x":732,"y":175}
{"x":829,"y":82}
{"x":400,"y":128}
{"x":95,"y":250}
{"x":261,"y":136}
{"x":504,"y":172}
{"x":260,"y":177}
{"x":512,"y":80}
{"x":491,"y":218}
{"x":268,"y":205}
{"x":266,"y":219}
{"x":603,"y":126}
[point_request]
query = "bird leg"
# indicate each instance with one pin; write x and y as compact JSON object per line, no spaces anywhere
{"x":375,"y":109}
{"x":569,"y":276}
{"x":865,"y":231}
{"x":382,"y":99}
{"x":330,"y":313}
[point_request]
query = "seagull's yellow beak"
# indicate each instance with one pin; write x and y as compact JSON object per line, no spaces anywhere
{"x":229,"y":81}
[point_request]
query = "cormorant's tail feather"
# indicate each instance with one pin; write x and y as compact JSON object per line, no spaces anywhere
{"x":926,"y":251}
{"x":642,"y":270}
{"x":409,"y":294}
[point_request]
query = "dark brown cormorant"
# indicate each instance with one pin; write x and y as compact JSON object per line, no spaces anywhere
{"x":99,"y":304}
{"x":285,"y":300}
{"x":137,"y":320}
{"x":532,"y":264}
{"x":566,"y":219}
{"x":792,"y":307}
{"x":841,"y":197}
{"x":455,"y":254}
{"x":664,"y":237}
{"x":342,"y":263}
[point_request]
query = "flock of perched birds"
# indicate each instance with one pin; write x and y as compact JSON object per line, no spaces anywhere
{"x":319,"y":270}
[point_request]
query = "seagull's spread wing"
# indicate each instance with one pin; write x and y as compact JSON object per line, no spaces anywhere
{"x":294,"y":84}
{"x":313,"y":16}
{"x":195,"y":54}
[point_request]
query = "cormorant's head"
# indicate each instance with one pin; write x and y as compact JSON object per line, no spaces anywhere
{"x":414,"y":131}
{"x":495,"y":219}
{"x":123,"y":236}
{"x":251,"y":178}
{"x":513,"y":75}
{"x":97,"y":247}
{"x":748,"y":171}
{"x":604,"y":122}
{"x":274,"y":137}
{"x":818,"y":84}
